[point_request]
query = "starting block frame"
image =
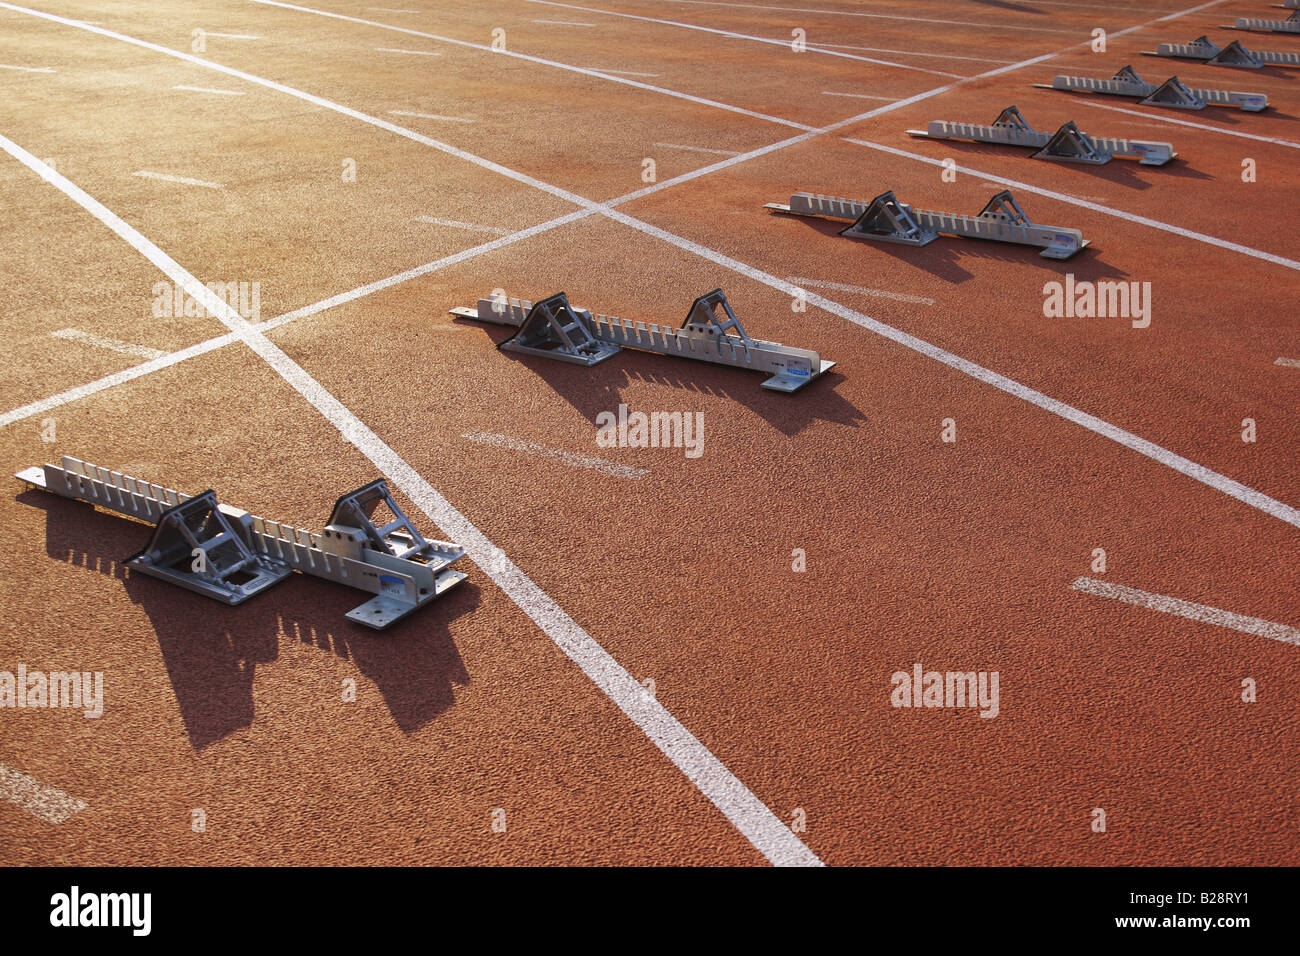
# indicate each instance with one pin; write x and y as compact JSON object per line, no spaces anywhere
{"x":886,"y":219}
{"x":1068,"y":144}
{"x":552,"y":328}
{"x":1290,"y":25}
{"x":1171,"y":93}
{"x":230,"y":555}
{"x":1232,"y":55}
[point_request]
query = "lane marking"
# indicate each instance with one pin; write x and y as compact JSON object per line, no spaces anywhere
{"x":231,"y":36}
{"x":1183,"y":122}
{"x":206,"y":89}
{"x":463,"y":225}
{"x":874,"y":16}
{"x":570,"y":458}
{"x":385,"y":49}
{"x":699,"y":149}
{"x":565,"y":23}
{"x":536,"y":59}
{"x":764,"y":830}
{"x":183,"y":180}
{"x":27,"y":69}
{"x":745,"y":36}
{"x":859,"y":96}
{"x":43,"y":802}
{"x":115,"y":345}
{"x":861,"y":290}
{"x":1095,"y":207}
{"x":1195,"y":612}
{"x":1291,"y":363}
{"x":391,"y":10}
{"x":432,"y":116}
{"x":940,"y":56}
{"x":624,"y":72}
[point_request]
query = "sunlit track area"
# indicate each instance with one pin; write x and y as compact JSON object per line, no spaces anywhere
{"x":650,"y":433}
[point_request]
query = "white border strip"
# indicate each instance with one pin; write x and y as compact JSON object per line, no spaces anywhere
{"x":747,"y":813}
{"x":1195,"y":612}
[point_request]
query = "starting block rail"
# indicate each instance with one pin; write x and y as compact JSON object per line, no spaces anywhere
{"x":1172,"y":92}
{"x":885,"y":219}
{"x":552,"y":328}
{"x":1290,"y":25}
{"x":1234,"y":54}
{"x":1067,"y":144}
{"x":230,"y":555}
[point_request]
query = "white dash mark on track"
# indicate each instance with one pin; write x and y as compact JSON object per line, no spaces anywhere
{"x":1195,"y":612}
{"x":386,"y":49}
{"x":861,"y":290}
{"x":391,"y":10}
{"x":699,"y":149}
{"x":208,"y":89}
{"x":573,"y":459}
{"x":47,"y":803}
{"x":623,"y":72}
{"x":183,"y":180}
{"x":463,"y":225}
{"x":115,"y":345}
{"x":1291,"y":363}
{"x":859,"y":96}
{"x":432,"y":116}
{"x":27,"y":69}
{"x":231,"y":36}
{"x":565,"y":23}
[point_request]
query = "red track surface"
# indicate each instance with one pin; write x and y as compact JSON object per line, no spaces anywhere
{"x":958,"y":556}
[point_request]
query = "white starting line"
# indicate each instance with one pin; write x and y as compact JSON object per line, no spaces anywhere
{"x":386,"y":49}
{"x":208,"y":89}
{"x":432,"y":116}
{"x":565,"y":23}
{"x":114,"y":345}
{"x":27,"y":69}
{"x":861,"y":290}
{"x":46,"y":803}
{"x":231,"y":36}
{"x":622,"y":72}
{"x":463,"y":225}
{"x":1195,"y":612}
{"x":167,"y":178}
{"x":699,"y":149}
{"x":570,"y":458}
{"x":859,"y":96}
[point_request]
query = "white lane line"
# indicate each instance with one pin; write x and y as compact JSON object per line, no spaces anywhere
{"x":1290,"y":363}
{"x":183,"y":180}
{"x":537,"y":59}
{"x":699,"y":149}
{"x":1183,"y":122}
{"x":76,"y":393}
{"x":745,"y":36}
{"x":27,"y":69}
{"x":570,"y":458}
{"x":861,"y":290}
{"x":208,"y":89}
{"x":385,"y":49}
{"x":937,"y":56}
{"x":463,"y":225}
{"x":1195,"y":612}
{"x":747,"y":813}
{"x":859,"y":96}
{"x":1095,"y":207}
{"x":432,"y":116}
{"x":624,"y":72}
{"x":230,"y":36}
{"x":114,"y":345}
{"x":1185,"y":466}
{"x":391,"y":10}
{"x":43,"y":802}
{"x":874,"y":16}
{"x":565,"y":23}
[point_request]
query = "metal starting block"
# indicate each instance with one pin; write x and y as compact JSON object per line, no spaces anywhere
{"x":1172,"y":92}
{"x":552,"y":328}
{"x":1290,"y":25}
{"x":230,"y":555}
{"x":1234,"y":54}
{"x":1068,"y":144}
{"x":885,"y":219}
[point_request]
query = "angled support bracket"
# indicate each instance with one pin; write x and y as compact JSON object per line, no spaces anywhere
{"x":710,"y":333}
{"x":1171,"y":93}
{"x":229,"y":555}
{"x":1001,"y":220}
{"x":552,"y":329}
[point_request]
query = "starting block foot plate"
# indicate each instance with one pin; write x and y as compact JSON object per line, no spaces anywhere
{"x":792,"y":381}
{"x":382,"y":610}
